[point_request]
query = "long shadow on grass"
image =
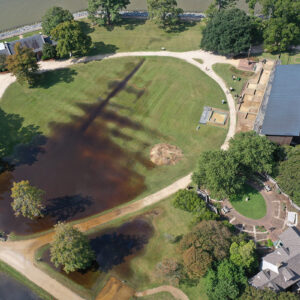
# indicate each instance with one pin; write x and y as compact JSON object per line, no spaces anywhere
{"x":80,"y":158}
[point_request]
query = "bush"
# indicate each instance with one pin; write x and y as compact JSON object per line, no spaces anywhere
{"x":188,"y":201}
{"x":3,"y":66}
{"x":49,"y":51}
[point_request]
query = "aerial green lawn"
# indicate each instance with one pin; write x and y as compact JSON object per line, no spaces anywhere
{"x":164,"y":101}
{"x":225,"y":71}
{"x":286,"y":58}
{"x":143,"y":35}
{"x":254,"y":208}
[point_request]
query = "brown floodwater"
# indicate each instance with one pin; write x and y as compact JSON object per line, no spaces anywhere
{"x":114,"y":249}
{"x":81,"y":169}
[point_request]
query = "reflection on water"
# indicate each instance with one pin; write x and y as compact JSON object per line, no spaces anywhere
{"x":81,"y":169}
{"x":114,"y":249}
{"x":11,"y":289}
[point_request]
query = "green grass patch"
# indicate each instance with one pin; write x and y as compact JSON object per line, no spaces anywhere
{"x":166,"y":97}
{"x":141,"y":35}
{"x":199,"y":60}
{"x":14,"y":38}
{"x":286,"y":58}
{"x":225,"y":71}
{"x":254,"y":208}
{"x":23,"y":280}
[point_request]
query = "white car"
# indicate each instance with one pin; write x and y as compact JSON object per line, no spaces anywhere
{"x":267,"y":188}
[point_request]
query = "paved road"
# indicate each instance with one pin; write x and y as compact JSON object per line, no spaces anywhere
{"x":20,"y":255}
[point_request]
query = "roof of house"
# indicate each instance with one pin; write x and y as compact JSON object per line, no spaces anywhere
{"x":34,"y":42}
{"x":286,"y":258}
{"x":282,"y":115}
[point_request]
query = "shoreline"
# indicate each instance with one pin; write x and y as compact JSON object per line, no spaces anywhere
{"x":84,"y":14}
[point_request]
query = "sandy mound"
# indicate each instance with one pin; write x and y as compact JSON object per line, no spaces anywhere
{"x":165,"y":154}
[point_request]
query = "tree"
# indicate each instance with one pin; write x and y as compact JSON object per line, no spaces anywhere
{"x":49,"y":51}
{"x":27,"y":200}
{"x":188,"y":201}
{"x":106,"y":12}
{"x":54,"y":16}
{"x":244,"y":255}
{"x":3,"y":66}
{"x":70,"y":37}
{"x":164,"y":12}
{"x":254,"y":152}
{"x":217,"y":5}
{"x":22,"y":64}
{"x":209,"y":241}
{"x":71,"y":249}
{"x":289,"y":175}
{"x":251,"y":293}
{"x":228,"y":32}
{"x":220,"y":172}
{"x":227,"y":282}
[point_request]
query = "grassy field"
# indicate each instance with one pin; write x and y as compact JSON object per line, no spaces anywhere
{"x":226,"y":71}
{"x":20,"y":278}
{"x":255,"y":208}
{"x":166,"y":96}
{"x":167,"y":221}
{"x":286,"y":58}
{"x":141,"y":35}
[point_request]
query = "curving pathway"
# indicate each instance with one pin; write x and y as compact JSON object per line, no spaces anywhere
{"x":20,"y":254}
{"x":175,"y":292}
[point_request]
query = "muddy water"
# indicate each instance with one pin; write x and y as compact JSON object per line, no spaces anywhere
{"x":80,"y":168}
{"x":10,"y":289}
{"x":114,"y":248}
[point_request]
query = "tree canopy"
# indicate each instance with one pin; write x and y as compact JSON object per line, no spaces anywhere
{"x":3,"y":66}
{"x":71,"y":249}
{"x":243,"y":255}
{"x":220,"y":172}
{"x":27,"y":200}
{"x":254,"y":152}
{"x":209,"y":241}
{"x":106,"y":12}
{"x":22,"y":64}
{"x":227,"y":282}
{"x":49,"y":51}
{"x":54,"y":16}
{"x":70,"y":38}
{"x":164,"y":12}
{"x":228,"y":32}
{"x":289,"y":174}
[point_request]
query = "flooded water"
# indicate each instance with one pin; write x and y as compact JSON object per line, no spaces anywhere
{"x":80,"y":168}
{"x":114,"y":249}
{"x":11,"y":289}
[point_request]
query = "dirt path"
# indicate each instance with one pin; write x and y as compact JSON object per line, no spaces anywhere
{"x":176,"y":293}
{"x":20,"y":254}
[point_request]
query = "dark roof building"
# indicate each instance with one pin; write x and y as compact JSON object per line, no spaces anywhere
{"x":34,"y":42}
{"x":281,"y":268}
{"x":281,"y":116}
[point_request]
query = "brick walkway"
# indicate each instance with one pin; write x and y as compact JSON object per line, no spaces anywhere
{"x":273,"y":221}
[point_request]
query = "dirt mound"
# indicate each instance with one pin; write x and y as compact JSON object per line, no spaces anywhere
{"x":165,"y":154}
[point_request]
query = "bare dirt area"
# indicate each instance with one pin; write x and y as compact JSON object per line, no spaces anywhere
{"x":165,"y":154}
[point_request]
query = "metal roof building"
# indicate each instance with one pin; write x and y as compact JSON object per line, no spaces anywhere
{"x":282,"y":115}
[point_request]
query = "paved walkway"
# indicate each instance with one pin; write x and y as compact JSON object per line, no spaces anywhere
{"x":176,"y":293}
{"x":20,"y":255}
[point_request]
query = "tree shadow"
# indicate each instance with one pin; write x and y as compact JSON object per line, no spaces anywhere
{"x":131,"y":24}
{"x":18,"y":144}
{"x":64,"y":208}
{"x":102,"y":48}
{"x":86,"y":27}
{"x":182,"y":26}
{"x":47,"y":79}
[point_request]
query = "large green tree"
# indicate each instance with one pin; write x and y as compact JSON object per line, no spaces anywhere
{"x":243,"y":255}
{"x":70,"y":38}
{"x":106,"y":12}
{"x":27,"y":200}
{"x":164,"y":12}
{"x":54,"y":16}
{"x":22,"y":64}
{"x":3,"y":66}
{"x":70,"y":249}
{"x":209,"y":241}
{"x":256,"y":153}
{"x":227,"y":282}
{"x":252,"y":293}
{"x":228,"y":32}
{"x":220,"y":172}
{"x":289,"y":174}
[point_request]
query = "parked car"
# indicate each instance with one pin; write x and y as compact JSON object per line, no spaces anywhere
{"x":267,"y":188}
{"x":225,"y":210}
